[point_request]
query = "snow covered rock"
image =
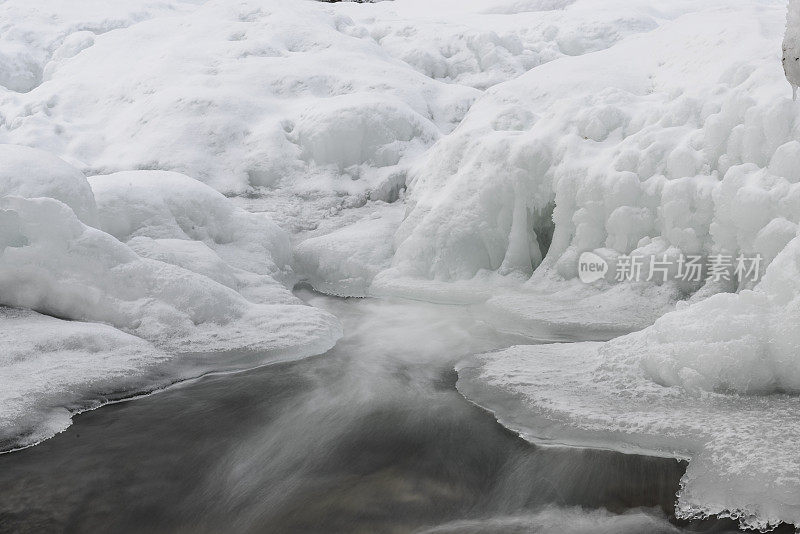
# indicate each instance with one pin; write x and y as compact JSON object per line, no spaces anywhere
{"x":191,"y":291}
{"x":31,"y":173}
{"x":173,"y":218}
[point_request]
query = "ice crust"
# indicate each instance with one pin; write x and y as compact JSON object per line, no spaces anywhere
{"x":742,"y":449}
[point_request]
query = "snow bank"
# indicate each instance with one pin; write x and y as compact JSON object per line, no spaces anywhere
{"x":52,"y":368}
{"x":173,"y":218}
{"x":31,"y":173}
{"x":679,"y":141}
{"x":479,"y":45}
{"x":193,"y":292}
{"x":35,"y":37}
{"x":742,"y":449}
{"x":716,"y":381}
{"x":575,"y":312}
{"x":345,"y":261}
{"x":54,"y":264}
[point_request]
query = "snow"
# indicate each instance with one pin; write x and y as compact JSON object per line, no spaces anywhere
{"x":345,"y":261}
{"x":791,"y":47}
{"x":173,"y":218}
{"x":742,"y":448}
{"x":258,"y":97}
{"x":195,"y":281}
{"x":568,"y":520}
{"x":742,"y":459}
{"x":614,"y":158}
{"x":53,"y":367}
{"x":31,"y":173}
{"x":479,"y":44}
{"x":61,"y":267}
{"x":575,"y":312}
{"x":455,"y":151}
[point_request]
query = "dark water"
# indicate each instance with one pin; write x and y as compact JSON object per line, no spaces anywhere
{"x":371,"y":437}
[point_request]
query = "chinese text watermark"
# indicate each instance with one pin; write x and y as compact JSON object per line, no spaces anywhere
{"x":660,"y":269}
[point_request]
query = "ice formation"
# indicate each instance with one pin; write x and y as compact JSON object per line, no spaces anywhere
{"x":54,"y":263}
{"x":52,"y":368}
{"x":454,"y":151}
{"x":791,"y":47}
{"x":175,"y":219}
{"x":345,"y":261}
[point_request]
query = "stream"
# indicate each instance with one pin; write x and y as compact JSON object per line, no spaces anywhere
{"x":370,"y":437}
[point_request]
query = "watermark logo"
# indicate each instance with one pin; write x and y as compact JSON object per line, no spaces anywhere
{"x":591,"y":267}
{"x":713,"y":268}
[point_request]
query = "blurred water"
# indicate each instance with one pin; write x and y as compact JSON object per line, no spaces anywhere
{"x":370,"y":437}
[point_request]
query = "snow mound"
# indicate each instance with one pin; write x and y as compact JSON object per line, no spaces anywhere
{"x":28,"y":172}
{"x":35,"y":37}
{"x":192,"y":290}
{"x":345,"y":261}
{"x":54,"y":264}
{"x":351,"y":131}
{"x":259,"y":97}
{"x":173,"y":218}
{"x":468,"y":43}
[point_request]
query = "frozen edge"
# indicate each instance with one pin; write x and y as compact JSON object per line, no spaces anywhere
{"x":543,"y":432}
{"x":505,"y":402}
{"x":163,"y":380}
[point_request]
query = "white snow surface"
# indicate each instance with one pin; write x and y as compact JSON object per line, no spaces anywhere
{"x":197,"y":279}
{"x":258,"y":97}
{"x":345,"y":261}
{"x":648,"y":144}
{"x":175,"y":219}
{"x":51,"y":368}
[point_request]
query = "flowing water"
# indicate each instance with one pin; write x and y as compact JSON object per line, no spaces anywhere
{"x":371,"y":437}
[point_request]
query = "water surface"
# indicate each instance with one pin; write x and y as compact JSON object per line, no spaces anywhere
{"x":370,"y":437}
